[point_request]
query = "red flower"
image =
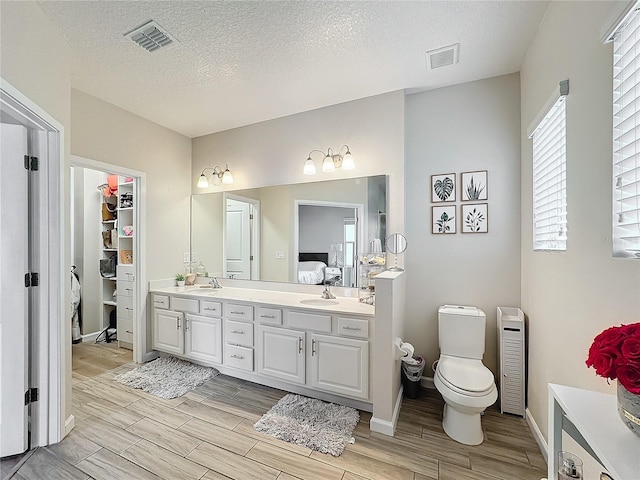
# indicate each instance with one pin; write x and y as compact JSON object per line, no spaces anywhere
{"x":615,"y":350}
{"x":629,"y":376}
{"x":630,"y":348}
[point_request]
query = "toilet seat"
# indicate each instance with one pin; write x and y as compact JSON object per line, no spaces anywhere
{"x":465,"y":376}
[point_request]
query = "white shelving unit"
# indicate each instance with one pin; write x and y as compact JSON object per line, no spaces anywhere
{"x":511,"y":342}
{"x":126,"y":280}
{"x":109,"y":249}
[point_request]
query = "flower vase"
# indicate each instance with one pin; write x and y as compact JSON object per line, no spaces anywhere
{"x":629,"y":409}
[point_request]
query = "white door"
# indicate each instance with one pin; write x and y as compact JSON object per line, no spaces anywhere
{"x":281,"y":354}
{"x":238,"y":240}
{"x":203,"y":338}
{"x":168,"y":333}
{"x":340,"y":365}
{"x":14,"y":244}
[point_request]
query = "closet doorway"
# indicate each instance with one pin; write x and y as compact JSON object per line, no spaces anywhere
{"x":106,"y":266}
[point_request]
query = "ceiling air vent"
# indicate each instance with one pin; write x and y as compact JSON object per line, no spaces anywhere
{"x":443,"y":57}
{"x":150,"y":36}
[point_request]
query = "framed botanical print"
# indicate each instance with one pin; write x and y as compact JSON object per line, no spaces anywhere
{"x":443,"y":188}
{"x":475,"y":217}
{"x":473,"y":186}
{"x":443,"y":219}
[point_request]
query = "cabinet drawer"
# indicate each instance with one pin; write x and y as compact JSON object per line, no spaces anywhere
{"x":211,"y":309}
{"x":188,"y":305}
{"x":239,"y":312}
{"x":238,"y":333}
{"x":310,"y":321}
{"x":126,"y":272}
{"x":125,"y":330}
{"x":238,"y":357}
{"x":353,"y":327}
{"x":125,"y":289}
{"x":161,"y":301}
{"x":270,"y":316}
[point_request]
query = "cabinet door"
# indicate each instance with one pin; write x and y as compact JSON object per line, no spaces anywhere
{"x":168,"y":333}
{"x":340,"y":365}
{"x":203,"y":338}
{"x":281,"y":353}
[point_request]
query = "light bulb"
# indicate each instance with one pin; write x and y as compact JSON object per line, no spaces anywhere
{"x":309,"y":167}
{"x":327,"y":164}
{"x":347,"y":162}
{"x":202,"y":181}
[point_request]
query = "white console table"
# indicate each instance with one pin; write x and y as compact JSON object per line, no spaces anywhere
{"x":592,"y":420}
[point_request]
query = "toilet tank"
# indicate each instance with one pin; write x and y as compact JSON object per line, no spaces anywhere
{"x":461,"y":331}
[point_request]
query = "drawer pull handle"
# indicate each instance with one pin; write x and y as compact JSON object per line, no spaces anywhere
{"x":127,"y":308}
{"x":355,"y":329}
{"x":299,"y":344}
{"x":268,"y":316}
{"x":158,"y":302}
{"x":238,"y":332}
{"x":239,"y":357}
{"x":178,"y":322}
{"x":209,"y":309}
{"x":237,"y":313}
{"x":129,"y":331}
{"x":313,"y":347}
{"x":186,"y":324}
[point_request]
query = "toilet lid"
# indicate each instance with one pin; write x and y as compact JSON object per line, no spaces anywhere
{"x":465,"y":374}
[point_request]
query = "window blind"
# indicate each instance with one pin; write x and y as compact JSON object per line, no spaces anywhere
{"x":550,"y":179}
{"x":626,"y":138}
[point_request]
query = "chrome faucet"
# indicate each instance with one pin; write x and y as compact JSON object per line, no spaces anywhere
{"x":326,"y":294}
{"x":214,"y":283}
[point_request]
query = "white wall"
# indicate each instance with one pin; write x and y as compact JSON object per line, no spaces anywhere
{"x":103,"y":132}
{"x":274,"y":152}
{"x":570,"y":297}
{"x":37,"y":61}
{"x":474,"y":126}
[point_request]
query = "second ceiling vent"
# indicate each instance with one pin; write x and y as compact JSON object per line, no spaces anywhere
{"x":443,"y":57}
{"x":150,"y":36}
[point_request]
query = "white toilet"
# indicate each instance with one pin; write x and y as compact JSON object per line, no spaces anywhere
{"x":467,"y":386}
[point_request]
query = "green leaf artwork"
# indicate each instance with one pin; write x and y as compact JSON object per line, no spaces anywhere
{"x":474,"y":220}
{"x":474,"y":191}
{"x":443,"y":223}
{"x":443,"y":188}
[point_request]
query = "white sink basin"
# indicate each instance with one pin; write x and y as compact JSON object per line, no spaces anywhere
{"x":319,"y":302}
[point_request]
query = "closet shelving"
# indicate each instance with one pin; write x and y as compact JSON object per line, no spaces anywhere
{"x":109,"y":249}
{"x":126,"y":261}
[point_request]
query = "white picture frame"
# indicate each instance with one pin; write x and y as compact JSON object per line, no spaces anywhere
{"x":443,"y":219}
{"x":473,"y":186}
{"x":443,"y":188}
{"x":474,"y":217}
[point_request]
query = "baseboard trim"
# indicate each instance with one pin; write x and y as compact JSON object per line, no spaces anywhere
{"x":69,"y":423}
{"x":383,"y":426}
{"x":427,"y":382}
{"x":537,"y":434}
{"x":90,"y":337}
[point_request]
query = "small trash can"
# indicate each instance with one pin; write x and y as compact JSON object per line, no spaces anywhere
{"x":411,"y":376}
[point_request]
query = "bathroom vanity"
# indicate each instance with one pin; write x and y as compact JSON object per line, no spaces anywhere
{"x":297,"y":342}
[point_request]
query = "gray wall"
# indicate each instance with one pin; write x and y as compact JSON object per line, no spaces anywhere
{"x":474,"y":126}
{"x":321,"y":226}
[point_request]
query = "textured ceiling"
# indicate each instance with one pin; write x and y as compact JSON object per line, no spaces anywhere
{"x":243,"y":62}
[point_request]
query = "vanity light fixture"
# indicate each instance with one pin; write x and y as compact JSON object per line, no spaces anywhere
{"x":331,"y":161}
{"x":218,"y":176}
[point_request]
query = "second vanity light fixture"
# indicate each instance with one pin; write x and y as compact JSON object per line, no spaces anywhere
{"x":218,"y":176}
{"x":331,"y":161}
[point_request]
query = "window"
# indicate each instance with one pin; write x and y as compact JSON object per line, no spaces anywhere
{"x":626,"y":138}
{"x":550,"y":177}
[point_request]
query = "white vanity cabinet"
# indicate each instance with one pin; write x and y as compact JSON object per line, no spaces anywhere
{"x":188,"y":327}
{"x":238,"y":336}
{"x":281,"y":353}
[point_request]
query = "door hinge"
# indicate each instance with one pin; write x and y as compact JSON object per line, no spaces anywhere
{"x":251,"y":258}
{"x":251,"y":216}
{"x":31,"y":279}
{"x":31,"y":163}
{"x":30,"y":396}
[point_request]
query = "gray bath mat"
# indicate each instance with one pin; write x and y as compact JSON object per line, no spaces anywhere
{"x":324,"y":427}
{"x":167,"y":377}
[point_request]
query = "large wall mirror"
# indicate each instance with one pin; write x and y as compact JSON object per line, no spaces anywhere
{"x":307,"y":233}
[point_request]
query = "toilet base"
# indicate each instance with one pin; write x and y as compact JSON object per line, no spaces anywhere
{"x":462,"y":427}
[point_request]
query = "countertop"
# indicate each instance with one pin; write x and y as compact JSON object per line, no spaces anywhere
{"x":268,"y":297}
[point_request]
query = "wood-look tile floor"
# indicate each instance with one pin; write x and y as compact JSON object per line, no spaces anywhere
{"x":122,"y":433}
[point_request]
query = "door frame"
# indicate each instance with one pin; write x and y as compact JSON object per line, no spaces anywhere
{"x":297,"y":203}
{"x":254,"y":233}
{"x":140,"y":266}
{"x":49,"y":364}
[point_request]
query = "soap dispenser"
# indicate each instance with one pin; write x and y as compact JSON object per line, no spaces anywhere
{"x":200,"y":270}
